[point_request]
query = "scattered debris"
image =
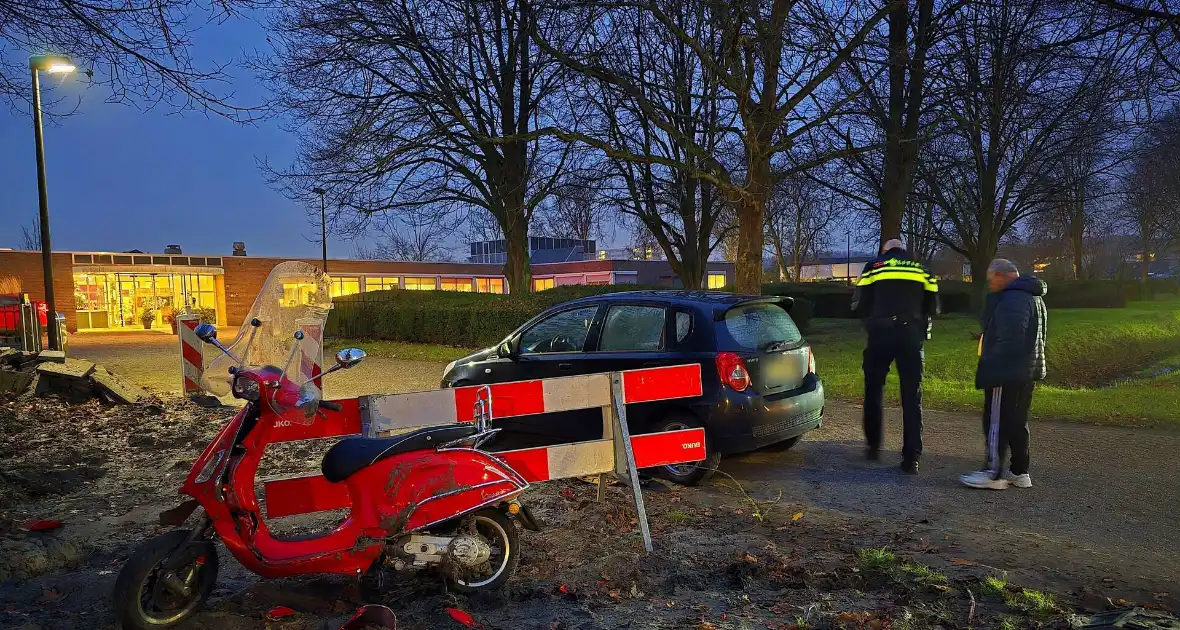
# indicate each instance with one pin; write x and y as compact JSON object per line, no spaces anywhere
{"x":51,"y":373}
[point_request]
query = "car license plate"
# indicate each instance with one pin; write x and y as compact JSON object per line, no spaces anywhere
{"x":782,"y":369}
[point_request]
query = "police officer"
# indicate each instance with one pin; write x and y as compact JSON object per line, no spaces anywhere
{"x":895,"y":298}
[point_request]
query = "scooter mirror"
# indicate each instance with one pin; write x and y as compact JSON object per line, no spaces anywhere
{"x":349,"y":357}
{"x":206,"y":332}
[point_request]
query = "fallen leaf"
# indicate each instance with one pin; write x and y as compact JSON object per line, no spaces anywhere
{"x":568,"y":493}
{"x":965,"y":562}
{"x":749,"y":559}
{"x":705,"y":625}
{"x":278,"y":612}
{"x":462,"y":617}
{"x":39,"y":526}
{"x":614,"y":593}
{"x":563,"y":589}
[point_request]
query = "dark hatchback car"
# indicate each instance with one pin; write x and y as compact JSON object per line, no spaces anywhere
{"x":759,"y":380}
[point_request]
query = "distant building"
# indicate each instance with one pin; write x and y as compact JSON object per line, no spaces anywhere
{"x":833,"y":268}
{"x":542,"y":249}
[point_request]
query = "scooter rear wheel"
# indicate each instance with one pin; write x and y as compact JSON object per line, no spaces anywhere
{"x":165,"y":581}
{"x":501,"y":534}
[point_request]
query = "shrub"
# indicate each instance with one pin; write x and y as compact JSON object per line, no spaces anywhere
{"x":1086,"y":294}
{"x":802,"y":312}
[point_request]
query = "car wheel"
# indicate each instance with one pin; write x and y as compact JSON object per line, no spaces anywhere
{"x":785,"y":445}
{"x":687,"y":474}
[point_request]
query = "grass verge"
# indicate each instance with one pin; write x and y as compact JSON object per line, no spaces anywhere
{"x":1089,"y":352}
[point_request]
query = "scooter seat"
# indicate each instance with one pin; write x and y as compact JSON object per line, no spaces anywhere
{"x":350,"y":455}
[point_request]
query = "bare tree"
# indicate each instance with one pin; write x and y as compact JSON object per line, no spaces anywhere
{"x":798,"y":218}
{"x":771,"y":60}
{"x":140,"y":50}
{"x":1020,"y":76}
{"x":415,"y":104}
{"x":1153,"y":205}
{"x":420,"y":241}
{"x":575,"y":209}
{"x":31,"y":236}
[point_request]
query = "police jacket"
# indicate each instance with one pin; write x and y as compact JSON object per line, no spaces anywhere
{"x":895,"y":290}
{"x":1013,"y":346}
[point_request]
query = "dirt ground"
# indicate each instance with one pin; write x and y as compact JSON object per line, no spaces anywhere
{"x":724,"y":558}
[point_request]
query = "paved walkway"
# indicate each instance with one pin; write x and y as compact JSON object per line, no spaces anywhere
{"x":1104,"y":503}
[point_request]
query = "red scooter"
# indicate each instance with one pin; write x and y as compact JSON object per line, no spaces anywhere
{"x":429,"y":499}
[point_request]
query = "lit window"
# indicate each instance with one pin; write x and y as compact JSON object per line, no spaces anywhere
{"x":378,"y":283}
{"x":458,"y":284}
{"x":420,"y":284}
{"x":346,"y":285}
{"x":717,"y":281}
{"x":298,"y":293}
{"x":490,"y":285}
{"x":540,"y":284}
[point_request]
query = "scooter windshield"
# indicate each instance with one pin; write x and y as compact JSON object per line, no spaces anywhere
{"x":295,"y":297}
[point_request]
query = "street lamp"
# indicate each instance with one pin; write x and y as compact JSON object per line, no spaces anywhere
{"x":323,"y":225}
{"x":848,"y":256}
{"x":54,"y":64}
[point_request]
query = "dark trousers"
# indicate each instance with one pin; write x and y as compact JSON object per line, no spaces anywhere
{"x":1005,"y":426}
{"x":903,"y":346}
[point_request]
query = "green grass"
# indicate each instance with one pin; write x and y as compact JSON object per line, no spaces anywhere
{"x":876,"y":559}
{"x":398,"y":350}
{"x":1089,"y":351}
{"x":677,"y":517}
{"x":1025,"y":600}
{"x":923,"y":574}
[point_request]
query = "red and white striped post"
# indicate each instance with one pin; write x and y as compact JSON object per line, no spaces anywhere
{"x":192,"y":359}
{"x":618,"y":451}
{"x":311,"y":352}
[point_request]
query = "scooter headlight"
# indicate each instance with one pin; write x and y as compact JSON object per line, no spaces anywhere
{"x":210,"y":468}
{"x":246,"y":388}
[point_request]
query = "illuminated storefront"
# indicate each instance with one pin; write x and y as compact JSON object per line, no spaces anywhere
{"x":132,"y":291}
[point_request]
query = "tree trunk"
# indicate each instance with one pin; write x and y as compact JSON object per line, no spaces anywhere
{"x":1146,"y":247}
{"x":516,"y":265}
{"x":751,"y":216}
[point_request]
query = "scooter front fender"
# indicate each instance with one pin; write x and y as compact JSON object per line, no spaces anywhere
{"x":415,"y":490}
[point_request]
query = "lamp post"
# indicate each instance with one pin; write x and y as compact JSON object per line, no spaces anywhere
{"x":55,"y":64}
{"x":848,"y":257}
{"x":323,"y":225}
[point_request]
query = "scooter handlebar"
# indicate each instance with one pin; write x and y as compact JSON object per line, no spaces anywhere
{"x":330,"y":406}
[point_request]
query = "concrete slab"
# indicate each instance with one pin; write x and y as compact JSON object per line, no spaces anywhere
{"x":69,"y":368}
{"x":115,"y":388}
{"x":56,"y":356}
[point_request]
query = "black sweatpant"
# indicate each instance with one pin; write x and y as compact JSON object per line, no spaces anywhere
{"x":1005,"y":426}
{"x":884,"y":348}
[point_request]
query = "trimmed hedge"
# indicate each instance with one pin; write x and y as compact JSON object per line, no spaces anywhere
{"x":466,"y":319}
{"x":833,"y":300}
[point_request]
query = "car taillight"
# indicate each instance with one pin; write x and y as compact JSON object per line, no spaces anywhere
{"x":732,"y":370}
{"x":811,"y":361}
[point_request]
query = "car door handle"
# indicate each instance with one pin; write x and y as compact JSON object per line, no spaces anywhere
{"x":565,"y":367}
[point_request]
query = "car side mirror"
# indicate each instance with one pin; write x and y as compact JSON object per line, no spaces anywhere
{"x":509,"y":348}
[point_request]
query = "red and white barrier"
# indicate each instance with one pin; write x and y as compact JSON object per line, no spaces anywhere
{"x":192,"y":360}
{"x":617,"y":452}
{"x":311,"y":352}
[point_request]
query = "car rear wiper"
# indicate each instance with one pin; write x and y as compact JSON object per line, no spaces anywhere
{"x":775,"y":346}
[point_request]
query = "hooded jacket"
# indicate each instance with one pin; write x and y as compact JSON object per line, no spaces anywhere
{"x":1014,"y":335}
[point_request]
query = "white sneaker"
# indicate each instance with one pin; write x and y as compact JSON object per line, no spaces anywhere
{"x":984,"y":479}
{"x":1019,"y":481}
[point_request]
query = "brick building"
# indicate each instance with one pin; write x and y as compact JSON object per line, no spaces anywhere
{"x":135,"y":290}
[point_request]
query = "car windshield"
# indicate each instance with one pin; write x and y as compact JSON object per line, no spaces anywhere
{"x":756,"y":327}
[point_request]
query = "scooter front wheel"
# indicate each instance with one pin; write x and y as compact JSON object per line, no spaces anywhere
{"x":165,"y":581}
{"x":500,"y":534}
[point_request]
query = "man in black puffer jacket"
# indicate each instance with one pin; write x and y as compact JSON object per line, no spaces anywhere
{"x":1011,"y":359}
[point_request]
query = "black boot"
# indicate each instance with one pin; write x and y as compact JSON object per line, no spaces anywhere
{"x":909,"y":467}
{"x":872,"y":454}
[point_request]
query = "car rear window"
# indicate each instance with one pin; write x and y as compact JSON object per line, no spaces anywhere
{"x":755,"y":326}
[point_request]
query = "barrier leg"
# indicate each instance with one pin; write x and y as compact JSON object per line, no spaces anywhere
{"x":624,"y":435}
{"x":192,"y":360}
